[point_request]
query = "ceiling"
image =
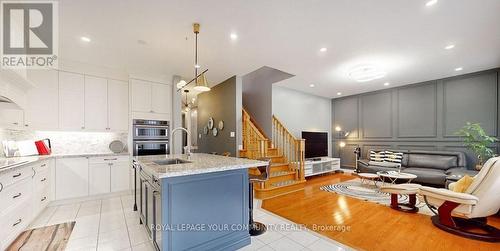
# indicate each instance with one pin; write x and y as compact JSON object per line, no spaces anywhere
{"x":405,"y":39}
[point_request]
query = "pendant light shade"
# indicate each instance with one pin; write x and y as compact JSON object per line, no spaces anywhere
{"x":202,"y":84}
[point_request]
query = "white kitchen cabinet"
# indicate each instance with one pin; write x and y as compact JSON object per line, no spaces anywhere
{"x":72,"y":178}
{"x":99,"y":178}
{"x":71,"y":101}
{"x":41,"y":186}
{"x":42,"y":106}
{"x":161,"y":98}
{"x":117,"y":105}
{"x":96,"y":103}
{"x":140,"y":95}
{"x":11,"y":117}
{"x":120,"y":176}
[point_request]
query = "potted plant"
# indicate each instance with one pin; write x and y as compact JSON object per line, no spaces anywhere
{"x":475,"y":139}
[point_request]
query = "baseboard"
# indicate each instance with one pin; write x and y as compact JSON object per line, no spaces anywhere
{"x":89,"y":198}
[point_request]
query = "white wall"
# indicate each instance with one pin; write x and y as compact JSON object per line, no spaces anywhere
{"x":299,"y":112}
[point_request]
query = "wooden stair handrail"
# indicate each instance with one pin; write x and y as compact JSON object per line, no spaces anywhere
{"x":254,"y":141}
{"x":255,"y":124}
{"x":289,"y":146}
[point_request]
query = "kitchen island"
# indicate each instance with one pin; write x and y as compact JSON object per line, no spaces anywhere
{"x":198,"y":202}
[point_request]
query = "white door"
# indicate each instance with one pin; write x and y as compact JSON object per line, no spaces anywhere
{"x":72,"y":178}
{"x":161,"y":101}
{"x":42,"y":108}
{"x":120,"y":176}
{"x":96,"y":103}
{"x":11,"y":118}
{"x":71,"y":101}
{"x":99,"y":178}
{"x":140,"y":93}
{"x":118,"y":105}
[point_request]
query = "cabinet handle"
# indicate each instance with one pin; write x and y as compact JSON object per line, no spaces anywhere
{"x":83,"y":127}
{"x":26,"y":125}
{"x":17,"y":222}
{"x":151,"y":111}
{"x":16,"y":175}
{"x":16,"y":196}
{"x":110,"y":159}
{"x":43,"y":165}
{"x":44,"y":198}
{"x":44,"y":179}
{"x":15,"y":123}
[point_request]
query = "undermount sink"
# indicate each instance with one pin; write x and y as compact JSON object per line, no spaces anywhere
{"x":171,"y":161}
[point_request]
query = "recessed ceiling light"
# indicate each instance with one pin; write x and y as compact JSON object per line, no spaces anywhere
{"x":431,"y":2}
{"x":311,"y":85}
{"x":339,"y":93}
{"x":459,"y":69}
{"x":386,"y":84}
{"x":449,"y":47}
{"x":323,"y":49}
{"x":197,"y":66}
{"x":366,"y":73}
{"x":233,"y":36}
{"x":85,"y":39}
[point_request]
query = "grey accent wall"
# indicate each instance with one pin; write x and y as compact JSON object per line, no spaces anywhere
{"x":300,"y":111}
{"x":221,"y":103}
{"x":418,"y":116}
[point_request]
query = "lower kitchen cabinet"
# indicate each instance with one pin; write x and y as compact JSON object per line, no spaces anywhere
{"x":108,"y":174}
{"x":99,"y":178}
{"x":120,"y":176}
{"x":72,"y":178}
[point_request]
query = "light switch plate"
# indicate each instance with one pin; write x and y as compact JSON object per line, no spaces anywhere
{"x":232,"y":134}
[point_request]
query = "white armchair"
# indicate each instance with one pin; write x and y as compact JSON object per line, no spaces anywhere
{"x":458,"y":213}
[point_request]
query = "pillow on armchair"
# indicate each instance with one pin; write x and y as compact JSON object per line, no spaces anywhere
{"x":462,"y":184}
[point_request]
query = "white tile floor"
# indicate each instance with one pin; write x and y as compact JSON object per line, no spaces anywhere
{"x":111,"y":224}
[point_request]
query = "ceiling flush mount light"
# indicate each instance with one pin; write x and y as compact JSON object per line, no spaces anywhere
{"x":386,"y":84}
{"x":311,"y":85}
{"x":233,"y":36}
{"x":366,"y":73}
{"x":339,"y":93}
{"x":449,"y":47}
{"x":431,"y":2}
{"x":85,"y":39}
{"x":459,"y":69}
{"x":323,"y":49}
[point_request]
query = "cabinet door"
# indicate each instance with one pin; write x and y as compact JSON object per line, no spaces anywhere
{"x":96,"y":103}
{"x":120,"y":176}
{"x":72,"y":178}
{"x":161,"y":101}
{"x":11,"y":118}
{"x":99,"y":178}
{"x":42,"y":108}
{"x":140,"y":92}
{"x":118,"y":105}
{"x":71,"y":101}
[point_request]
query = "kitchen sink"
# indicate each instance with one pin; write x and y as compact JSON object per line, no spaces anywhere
{"x":171,"y":161}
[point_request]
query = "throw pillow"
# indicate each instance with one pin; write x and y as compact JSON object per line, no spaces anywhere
{"x":462,"y":184}
{"x":393,"y":157}
{"x":377,"y":156}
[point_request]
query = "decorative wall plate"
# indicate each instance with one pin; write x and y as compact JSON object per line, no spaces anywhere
{"x":215,"y":131}
{"x":210,"y":123}
{"x":221,"y":125}
{"x":205,"y":130}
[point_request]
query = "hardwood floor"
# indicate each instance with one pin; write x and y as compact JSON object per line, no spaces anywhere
{"x":370,"y":226}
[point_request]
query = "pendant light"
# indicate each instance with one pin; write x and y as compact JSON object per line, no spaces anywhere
{"x":201,"y":80}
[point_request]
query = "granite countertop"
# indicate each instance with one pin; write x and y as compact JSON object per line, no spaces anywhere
{"x":31,"y":159}
{"x":200,"y":163}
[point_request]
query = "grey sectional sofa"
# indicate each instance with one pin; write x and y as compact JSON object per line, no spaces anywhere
{"x":431,"y":167}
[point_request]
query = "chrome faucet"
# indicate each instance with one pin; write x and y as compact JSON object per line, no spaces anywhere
{"x":188,"y":147}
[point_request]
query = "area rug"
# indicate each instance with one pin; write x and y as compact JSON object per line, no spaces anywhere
{"x":53,"y":238}
{"x":368,"y":192}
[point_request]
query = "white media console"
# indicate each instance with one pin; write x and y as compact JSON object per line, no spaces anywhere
{"x":321,"y":165}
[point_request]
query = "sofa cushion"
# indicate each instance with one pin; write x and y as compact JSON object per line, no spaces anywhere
{"x":374,"y":169}
{"x":427,"y":175}
{"x":433,"y":161}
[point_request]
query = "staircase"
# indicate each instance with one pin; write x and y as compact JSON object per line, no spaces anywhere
{"x":286,"y":154}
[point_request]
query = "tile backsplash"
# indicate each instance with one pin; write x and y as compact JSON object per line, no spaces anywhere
{"x":67,"y":142}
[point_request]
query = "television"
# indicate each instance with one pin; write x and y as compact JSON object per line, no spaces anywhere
{"x":316,"y":144}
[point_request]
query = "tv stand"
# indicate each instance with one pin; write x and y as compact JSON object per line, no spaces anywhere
{"x":316,"y":166}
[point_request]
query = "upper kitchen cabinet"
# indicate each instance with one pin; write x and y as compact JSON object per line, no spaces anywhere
{"x":11,"y":117}
{"x":151,"y":100}
{"x":96,"y":100}
{"x":71,"y":101}
{"x":117,"y":105}
{"x":140,"y":95}
{"x":42,"y":106}
{"x":161,"y":101}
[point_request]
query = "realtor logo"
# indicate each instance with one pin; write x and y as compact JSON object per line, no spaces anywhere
{"x":29,"y":34}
